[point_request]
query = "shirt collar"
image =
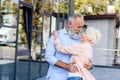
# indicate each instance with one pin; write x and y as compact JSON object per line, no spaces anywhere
{"x":64,"y":31}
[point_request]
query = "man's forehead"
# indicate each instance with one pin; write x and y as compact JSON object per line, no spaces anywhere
{"x":79,"y":19}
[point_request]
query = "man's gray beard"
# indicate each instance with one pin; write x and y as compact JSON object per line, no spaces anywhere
{"x":73,"y":34}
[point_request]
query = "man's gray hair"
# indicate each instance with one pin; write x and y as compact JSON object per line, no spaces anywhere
{"x":74,"y":16}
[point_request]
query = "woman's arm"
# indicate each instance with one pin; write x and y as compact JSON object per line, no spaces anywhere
{"x":58,"y":44}
{"x":61,"y":48}
{"x":75,"y":49}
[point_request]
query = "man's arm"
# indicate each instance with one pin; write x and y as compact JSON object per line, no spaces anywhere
{"x":74,"y":49}
{"x":50,"y":57}
{"x":50,"y":52}
{"x":70,"y":67}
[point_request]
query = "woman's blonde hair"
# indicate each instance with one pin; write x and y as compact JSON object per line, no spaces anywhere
{"x":93,"y":35}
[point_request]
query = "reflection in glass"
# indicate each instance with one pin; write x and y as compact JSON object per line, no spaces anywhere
{"x":22,"y":37}
{"x":35,"y":54}
{"x":37,"y":20}
{"x":23,"y":50}
{"x":34,"y":70}
{"x":7,"y":42}
{"x":28,"y":1}
{"x":44,"y":68}
{"x":46,"y":30}
{"x":22,"y":55}
{"x":35,"y":50}
{"x":7,"y":53}
{"x":9,"y":12}
{"x":37,"y":37}
{"x":1,"y":19}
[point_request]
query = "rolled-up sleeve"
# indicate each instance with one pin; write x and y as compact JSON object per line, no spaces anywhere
{"x":50,"y":52}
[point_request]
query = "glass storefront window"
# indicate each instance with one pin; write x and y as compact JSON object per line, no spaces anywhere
{"x":8,"y":13}
{"x":7,"y":53}
{"x":24,"y":55}
{"x":28,"y":1}
{"x":8,"y":23}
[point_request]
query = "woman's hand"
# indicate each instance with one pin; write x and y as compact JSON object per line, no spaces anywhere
{"x":55,"y":33}
{"x":71,"y":67}
{"x":89,"y":66}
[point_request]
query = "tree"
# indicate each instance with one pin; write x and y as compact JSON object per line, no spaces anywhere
{"x":117,"y":7}
{"x":91,"y":7}
{"x":39,"y":8}
{"x":100,"y":7}
{"x":81,"y":6}
{"x":111,"y":2}
{"x":64,"y":7}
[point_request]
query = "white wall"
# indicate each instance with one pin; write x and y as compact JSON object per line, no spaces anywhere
{"x":107,"y":28}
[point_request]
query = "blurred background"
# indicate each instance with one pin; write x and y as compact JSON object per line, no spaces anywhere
{"x":26,"y":25}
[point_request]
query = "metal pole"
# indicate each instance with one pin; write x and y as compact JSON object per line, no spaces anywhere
{"x":16,"y":49}
{"x":71,"y":7}
{"x":40,"y":64}
{"x":1,"y":20}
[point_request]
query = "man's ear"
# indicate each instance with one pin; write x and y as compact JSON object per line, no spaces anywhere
{"x":69,"y":24}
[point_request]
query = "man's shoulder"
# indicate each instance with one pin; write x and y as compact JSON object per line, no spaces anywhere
{"x":63,"y":31}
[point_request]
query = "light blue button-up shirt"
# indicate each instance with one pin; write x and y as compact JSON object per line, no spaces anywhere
{"x":52,"y":56}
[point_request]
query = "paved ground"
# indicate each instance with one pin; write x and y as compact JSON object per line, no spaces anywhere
{"x":103,"y":73}
{"x":7,"y":71}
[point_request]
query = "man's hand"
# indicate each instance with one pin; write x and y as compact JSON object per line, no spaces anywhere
{"x":71,"y":67}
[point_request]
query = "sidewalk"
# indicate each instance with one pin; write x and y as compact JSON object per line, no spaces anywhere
{"x":102,"y":73}
{"x":106,"y":73}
